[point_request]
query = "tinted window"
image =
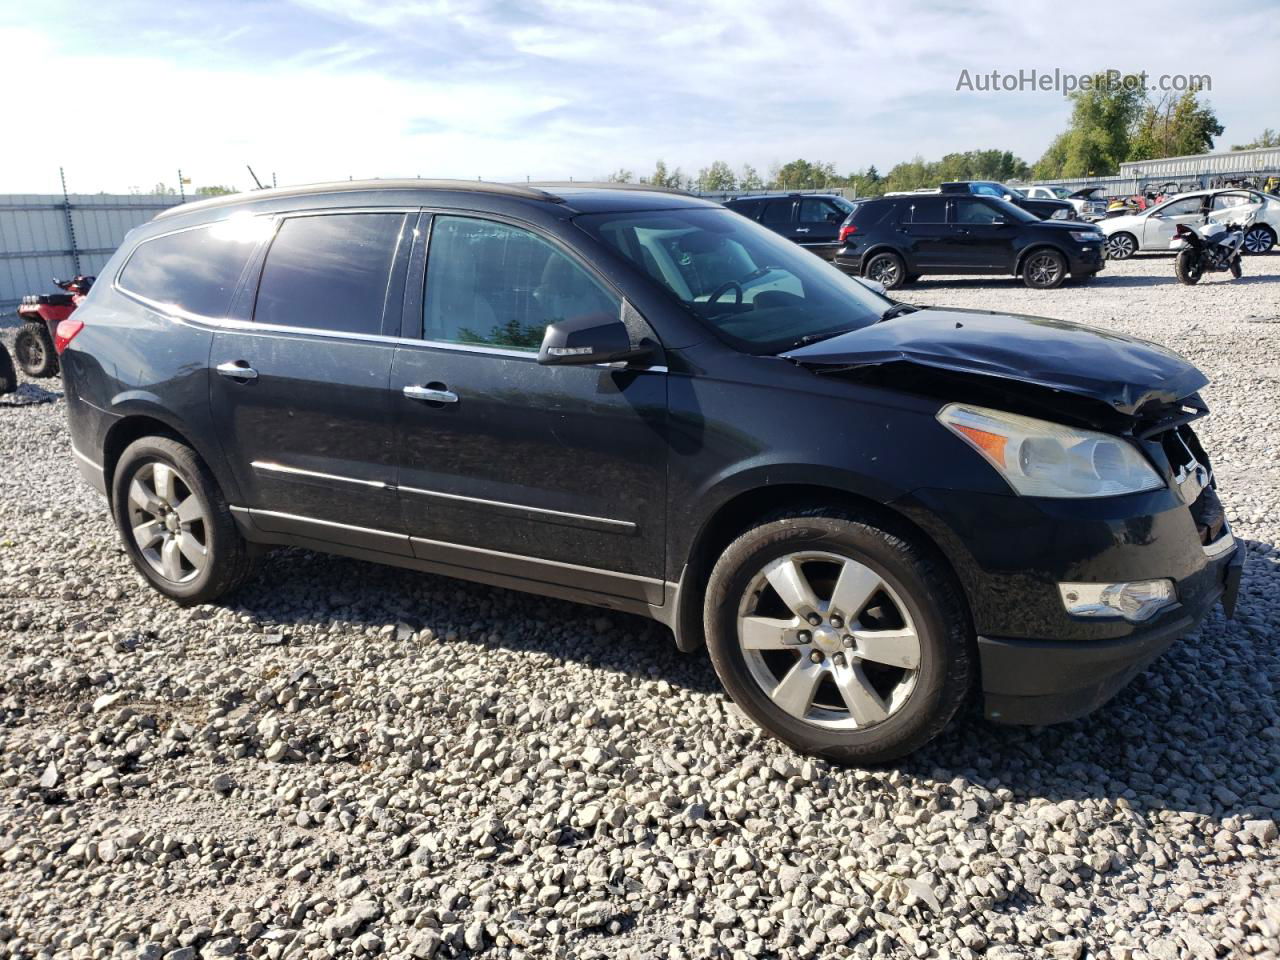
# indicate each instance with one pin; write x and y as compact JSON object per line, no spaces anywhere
{"x":777,"y":211}
{"x":986,"y":190}
{"x":819,"y":210}
{"x":757,"y":290}
{"x":748,"y":208}
{"x":490,"y":283}
{"x":195,"y":270}
{"x":329,"y":272}
{"x":928,"y":210}
{"x":974,"y":211}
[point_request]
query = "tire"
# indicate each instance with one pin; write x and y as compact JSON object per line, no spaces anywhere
{"x":1121,"y":246}
{"x":891,"y":708}
{"x":1044,"y":269}
{"x":154,"y":519}
{"x":1259,"y":239}
{"x":911,"y":278}
{"x":1236,"y":271}
{"x":1187,"y":266}
{"x":887,"y":268}
{"x":33,"y":349}
{"x":8,"y":376}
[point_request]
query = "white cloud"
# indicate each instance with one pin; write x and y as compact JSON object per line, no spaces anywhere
{"x":580,"y":87}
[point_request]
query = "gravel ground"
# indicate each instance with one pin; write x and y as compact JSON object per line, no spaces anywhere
{"x":349,"y":760}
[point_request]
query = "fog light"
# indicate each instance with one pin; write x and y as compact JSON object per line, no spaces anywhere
{"x":1136,"y":601}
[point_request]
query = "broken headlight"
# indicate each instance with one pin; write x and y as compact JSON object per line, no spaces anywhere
{"x":1043,"y":459}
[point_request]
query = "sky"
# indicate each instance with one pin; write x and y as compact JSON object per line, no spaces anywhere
{"x":123,"y":93}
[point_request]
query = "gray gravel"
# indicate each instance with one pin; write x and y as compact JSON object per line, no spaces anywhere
{"x":349,"y":760}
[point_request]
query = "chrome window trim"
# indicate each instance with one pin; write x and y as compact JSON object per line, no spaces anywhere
{"x":505,"y":505}
{"x":268,"y":466}
{"x":252,"y":512}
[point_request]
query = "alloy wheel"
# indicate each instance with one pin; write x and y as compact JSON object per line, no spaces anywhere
{"x":828,"y":641}
{"x":883,"y":270}
{"x":1258,"y":240}
{"x":1044,"y":270}
{"x":168,"y":522}
{"x":1121,"y":246}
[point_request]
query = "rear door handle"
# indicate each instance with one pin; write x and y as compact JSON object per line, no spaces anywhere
{"x":237,"y":370}
{"x":431,"y":393}
{"x":802,"y":229}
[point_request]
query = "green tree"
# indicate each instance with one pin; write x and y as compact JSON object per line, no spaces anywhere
{"x":750,"y":179}
{"x":1097,"y":139}
{"x":662,"y":177}
{"x":215,"y":190}
{"x":1174,"y":127}
{"x":1268,"y":138}
{"x":718,"y":176}
{"x":804,"y":175}
{"x":163,"y":190}
{"x":621,"y":175}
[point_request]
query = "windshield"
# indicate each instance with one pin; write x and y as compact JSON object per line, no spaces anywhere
{"x":757,"y":290}
{"x":1062,"y":193}
{"x":843,"y":204}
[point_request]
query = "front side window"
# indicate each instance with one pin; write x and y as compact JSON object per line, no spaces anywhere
{"x":329,"y":272}
{"x":1180,"y":208}
{"x":974,"y":211}
{"x":757,"y":290}
{"x":492,"y":284}
{"x":196,"y":271}
{"x":820,"y":210}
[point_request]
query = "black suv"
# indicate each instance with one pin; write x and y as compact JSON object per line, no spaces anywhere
{"x":1045,"y":209}
{"x":641,"y":400}
{"x":810,"y":219}
{"x":897,"y":239}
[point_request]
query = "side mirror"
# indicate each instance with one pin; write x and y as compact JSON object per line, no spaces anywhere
{"x":999,"y":221}
{"x":593,"y":338}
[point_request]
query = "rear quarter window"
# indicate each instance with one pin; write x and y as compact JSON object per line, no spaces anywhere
{"x":196,"y":271}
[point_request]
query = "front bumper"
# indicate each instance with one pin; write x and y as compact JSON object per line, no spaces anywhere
{"x":1086,"y":259}
{"x":1046,"y":681}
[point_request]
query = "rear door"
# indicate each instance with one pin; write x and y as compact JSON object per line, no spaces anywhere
{"x":779,"y":215}
{"x":300,"y":393}
{"x":552,"y":473}
{"x":927,"y":234}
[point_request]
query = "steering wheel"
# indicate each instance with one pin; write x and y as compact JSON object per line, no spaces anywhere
{"x":725,"y":288}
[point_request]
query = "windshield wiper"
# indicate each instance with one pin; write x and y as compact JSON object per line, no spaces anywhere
{"x":809,"y":338}
{"x":897,"y":310}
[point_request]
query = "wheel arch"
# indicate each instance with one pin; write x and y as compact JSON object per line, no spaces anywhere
{"x":747,"y":507}
{"x":134,"y":426}
{"x":882,"y":248}
{"x":1037,"y":247}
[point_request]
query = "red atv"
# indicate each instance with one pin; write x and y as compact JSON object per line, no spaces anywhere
{"x":33,"y":346}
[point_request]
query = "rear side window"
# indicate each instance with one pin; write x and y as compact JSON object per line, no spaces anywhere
{"x":928,"y":210}
{"x":776,"y":212}
{"x":494,"y":284}
{"x":196,"y":270}
{"x":329,"y":272}
{"x":748,"y":208}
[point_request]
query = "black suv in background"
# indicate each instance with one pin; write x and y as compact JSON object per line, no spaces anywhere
{"x":897,"y":239}
{"x":644,"y":401}
{"x":1042,"y":208}
{"x":810,"y":219}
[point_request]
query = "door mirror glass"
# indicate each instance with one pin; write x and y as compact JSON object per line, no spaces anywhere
{"x":1000,"y":220}
{"x":590,"y":338}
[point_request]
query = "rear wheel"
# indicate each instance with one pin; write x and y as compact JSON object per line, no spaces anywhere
{"x":886,"y":268}
{"x":1187,"y":266}
{"x":1259,"y":239}
{"x":175,"y":523}
{"x":1044,"y":270}
{"x":33,"y":349}
{"x":1121,"y":246}
{"x":840,"y":638}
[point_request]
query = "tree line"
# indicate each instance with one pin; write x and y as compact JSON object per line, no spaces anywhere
{"x":1110,"y":124}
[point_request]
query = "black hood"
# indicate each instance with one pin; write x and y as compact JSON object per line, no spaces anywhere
{"x":1123,"y":372}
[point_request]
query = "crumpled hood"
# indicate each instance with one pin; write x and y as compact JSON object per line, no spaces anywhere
{"x":1125,"y":373}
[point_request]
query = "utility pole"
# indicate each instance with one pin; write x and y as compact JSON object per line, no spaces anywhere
{"x":182,"y":193}
{"x":71,"y":227}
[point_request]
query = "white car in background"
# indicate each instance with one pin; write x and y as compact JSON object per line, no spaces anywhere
{"x":1152,"y":229}
{"x":1088,"y":205}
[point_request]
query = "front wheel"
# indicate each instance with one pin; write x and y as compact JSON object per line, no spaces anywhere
{"x":838,"y":637}
{"x":886,"y":268}
{"x":1187,"y":266}
{"x":175,"y":523}
{"x":1044,"y":270}
{"x":1121,"y":246}
{"x":33,"y":348}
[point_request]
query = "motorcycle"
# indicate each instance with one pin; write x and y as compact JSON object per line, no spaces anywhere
{"x":1208,"y":247}
{"x":33,"y":346}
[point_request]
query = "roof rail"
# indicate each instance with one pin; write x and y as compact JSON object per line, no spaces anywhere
{"x":526,"y":191}
{"x":606,"y":185}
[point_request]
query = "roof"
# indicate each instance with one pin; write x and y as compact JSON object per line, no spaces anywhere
{"x":578,"y":196}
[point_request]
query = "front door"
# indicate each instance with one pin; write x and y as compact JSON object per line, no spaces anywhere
{"x":979,"y":242}
{"x":300,"y":395}
{"x":1160,"y":225}
{"x":818,"y":222}
{"x":552,"y":473}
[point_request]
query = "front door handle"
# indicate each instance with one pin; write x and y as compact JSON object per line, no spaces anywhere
{"x":237,"y":370}
{"x":802,"y":229}
{"x":431,"y":393}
